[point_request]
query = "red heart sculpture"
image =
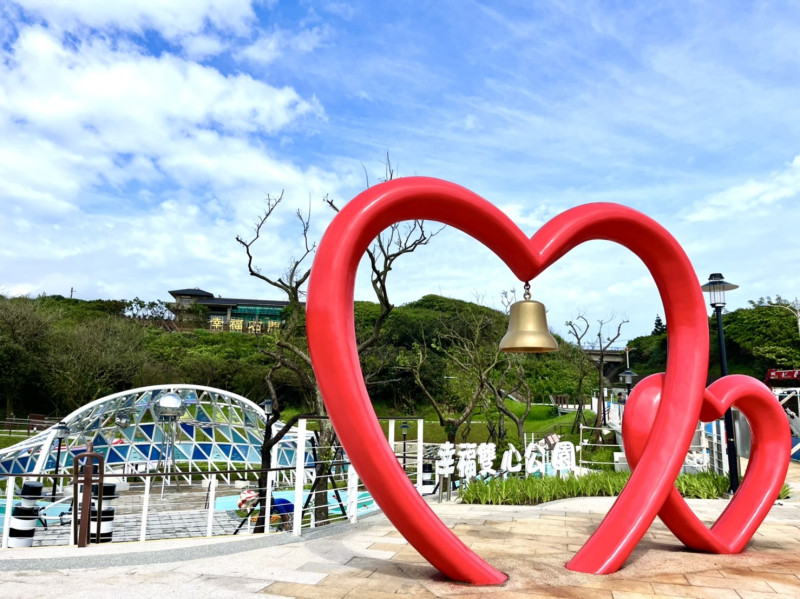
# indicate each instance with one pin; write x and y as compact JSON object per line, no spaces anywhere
{"x":332,"y":343}
{"x":769,"y":459}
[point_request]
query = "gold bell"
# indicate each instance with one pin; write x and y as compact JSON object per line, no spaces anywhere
{"x":527,"y":328}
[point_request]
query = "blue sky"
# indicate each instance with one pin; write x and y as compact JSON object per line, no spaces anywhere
{"x":138,"y":138}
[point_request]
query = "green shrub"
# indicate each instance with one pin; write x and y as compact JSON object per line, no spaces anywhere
{"x":786,"y":492}
{"x":534,"y":490}
{"x":705,"y":485}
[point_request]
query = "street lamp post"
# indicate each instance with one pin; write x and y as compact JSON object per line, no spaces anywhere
{"x":62,"y":432}
{"x":793,"y":307}
{"x":716,"y":288}
{"x":404,"y":428}
{"x":266,"y":464}
{"x":627,"y":376}
{"x":168,"y":409}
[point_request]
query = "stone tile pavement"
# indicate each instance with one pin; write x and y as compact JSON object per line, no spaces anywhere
{"x":160,"y":525}
{"x":371,"y":560}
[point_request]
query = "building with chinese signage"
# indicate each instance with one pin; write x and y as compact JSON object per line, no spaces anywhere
{"x":235,"y":314}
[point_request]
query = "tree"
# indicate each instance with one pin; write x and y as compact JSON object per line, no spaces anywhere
{"x":793,"y":307}
{"x":648,"y":354}
{"x":93,"y":359}
{"x":761,"y":337}
{"x":583,"y":363}
{"x":512,"y":383}
{"x":468,"y":338}
{"x":290,"y":349}
{"x":458,"y":342}
{"x":757,"y":338}
{"x":26,"y":329}
{"x":659,"y":328}
{"x":142,"y":310}
{"x":600,"y":346}
{"x":231,"y":361}
{"x":77,"y":310}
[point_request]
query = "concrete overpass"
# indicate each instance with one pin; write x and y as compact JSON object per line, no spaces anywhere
{"x":613,"y":360}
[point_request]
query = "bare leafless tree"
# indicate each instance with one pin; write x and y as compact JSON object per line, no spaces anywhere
{"x":396,"y":241}
{"x":290,"y":348}
{"x":603,"y":345}
{"x":579,"y":328}
{"x":450,"y":423}
{"x":512,"y":384}
{"x":600,"y":346}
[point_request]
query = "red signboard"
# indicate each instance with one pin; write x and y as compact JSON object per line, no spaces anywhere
{"x":782,"y":375}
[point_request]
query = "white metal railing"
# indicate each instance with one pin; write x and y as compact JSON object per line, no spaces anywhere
{"x":142,"y":510}
{"x":586,"y":434}
{"x":717,"y":448}
{"x":705,"y":451}
{"x":10,"y":483}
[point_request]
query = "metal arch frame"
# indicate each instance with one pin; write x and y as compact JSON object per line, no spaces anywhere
{"x":94,"y":422}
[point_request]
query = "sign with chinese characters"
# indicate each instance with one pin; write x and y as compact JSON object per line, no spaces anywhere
{"x":470,"y":460}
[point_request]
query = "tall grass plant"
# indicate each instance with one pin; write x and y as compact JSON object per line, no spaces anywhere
{"x":534,"y":490}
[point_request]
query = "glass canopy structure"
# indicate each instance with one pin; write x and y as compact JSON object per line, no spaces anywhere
{"x":212,"y":430}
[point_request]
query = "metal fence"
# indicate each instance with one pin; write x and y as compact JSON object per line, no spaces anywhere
{"x":139,"y":506}
{"x":707,"y":450}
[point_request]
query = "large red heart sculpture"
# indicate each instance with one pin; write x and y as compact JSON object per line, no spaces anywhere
{"x":770,"y":447}
{"x":332,"y":343}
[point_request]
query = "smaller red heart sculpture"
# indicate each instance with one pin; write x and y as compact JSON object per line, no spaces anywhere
{"x":766,"y":471}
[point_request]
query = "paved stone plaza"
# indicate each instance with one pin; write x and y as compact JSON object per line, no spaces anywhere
{"x":371,"y":560}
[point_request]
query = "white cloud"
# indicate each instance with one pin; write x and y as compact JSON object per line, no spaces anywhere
{"x":98,"y":115}
{"x":173,"y":19}
{"x":345,"y":10}
{"x":264,"y":50}
{"x":753,"y":197}
{"x":142,"y":97}
{"x":138,"y":138}
{"x":200,"y":47}
{"x":269,"y":47}
{"x":39,"y":176}
{"x":308,"y":40}
{"x":627,"y":287}
{"x":182,"y":241}
{"x":117,"y":165}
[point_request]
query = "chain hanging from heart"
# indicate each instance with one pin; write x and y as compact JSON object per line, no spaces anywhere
{"x":661,"y":414}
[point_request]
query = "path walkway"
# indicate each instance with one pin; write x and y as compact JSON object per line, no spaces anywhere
{"x":371,"y":560}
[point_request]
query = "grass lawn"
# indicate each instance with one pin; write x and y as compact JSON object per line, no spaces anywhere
{"x":540,"y":421}
{"x":9,"y":440}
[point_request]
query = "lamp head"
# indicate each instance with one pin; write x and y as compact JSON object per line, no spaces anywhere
{"x":169,"y":406}
{"x":716,"y":288}
{"x":62,"y":430}
{"x":627,"y":376}
{"x":267,"y":404}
